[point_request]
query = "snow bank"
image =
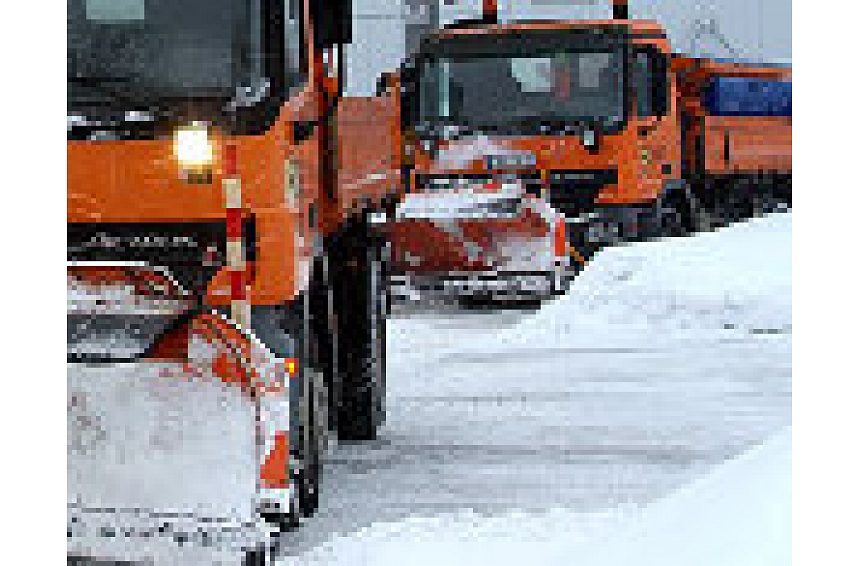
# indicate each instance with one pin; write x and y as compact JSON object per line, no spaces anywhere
{"x":731,"y":283}
{"x":734,"y":280}
{"x":739,"y":514}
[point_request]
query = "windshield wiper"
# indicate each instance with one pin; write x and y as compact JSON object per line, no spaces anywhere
{"x":132,"y":104}
{"x":555,"y":121}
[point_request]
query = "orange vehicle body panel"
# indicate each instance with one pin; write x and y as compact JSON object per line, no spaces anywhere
{"x":731,"y":144}
{"x":439,"y":251}
{"x":636,"y":27}
{"x":367,"y":151}
{"x":442,"y":252}
{"x":140,"y":181}
{"x":738,"y":144}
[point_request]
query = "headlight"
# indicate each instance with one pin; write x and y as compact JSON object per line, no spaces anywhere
{"x":193,"y":146}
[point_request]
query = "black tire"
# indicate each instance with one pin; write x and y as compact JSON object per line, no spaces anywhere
{"x":361,"y":297}
{"x":323,"y":327}
{"x":287,"y":331}
{"x":310,"y":439}
{"x":675,"y":216}
{"x":257,"y":557}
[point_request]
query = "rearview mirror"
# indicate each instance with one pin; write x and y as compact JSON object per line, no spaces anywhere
{"x":384,"y":82}
{"x":332,"y":21}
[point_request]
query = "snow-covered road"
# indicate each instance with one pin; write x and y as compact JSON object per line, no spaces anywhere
{"x":665,"y":360}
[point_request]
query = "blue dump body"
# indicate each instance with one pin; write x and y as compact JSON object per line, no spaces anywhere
{"x":740,"y":96}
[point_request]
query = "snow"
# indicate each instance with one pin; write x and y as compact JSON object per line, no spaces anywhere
{"x":607,"y":427}
{"x":734,"y":281}
{"x":739,"y":514}
{"x":737,"y":279}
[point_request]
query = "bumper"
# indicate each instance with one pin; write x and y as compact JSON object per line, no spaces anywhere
{"x":507,"y":285}
{"x":611,"y":224}
{"x":134,"y":535}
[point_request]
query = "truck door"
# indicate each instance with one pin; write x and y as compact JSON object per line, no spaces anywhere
{"x":657,"y":132}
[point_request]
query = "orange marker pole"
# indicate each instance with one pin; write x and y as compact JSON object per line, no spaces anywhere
{"x":240,"y":309}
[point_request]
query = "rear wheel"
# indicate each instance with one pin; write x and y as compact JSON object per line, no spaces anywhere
{"x":361,"y":306}
{"x":675,"y":216}
{"x":681,"y":211}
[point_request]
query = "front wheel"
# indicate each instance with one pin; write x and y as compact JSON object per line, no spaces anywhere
{"x":678,"y":213}
{"x":675,"y":217}
{"x":313,"y":406}
{"x":287,"y":331}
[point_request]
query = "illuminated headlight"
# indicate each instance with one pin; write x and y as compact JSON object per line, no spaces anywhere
{"x":193,"y":146}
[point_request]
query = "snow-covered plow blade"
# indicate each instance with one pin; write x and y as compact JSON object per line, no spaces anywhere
{"x":157,"y":457}
{"x":177,"y":434}
{"x":492,"y":241}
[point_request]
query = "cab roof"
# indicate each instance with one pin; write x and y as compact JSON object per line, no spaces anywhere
{"x":635,"y":28}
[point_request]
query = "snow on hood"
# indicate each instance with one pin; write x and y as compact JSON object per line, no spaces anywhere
{"x":461,"y":204}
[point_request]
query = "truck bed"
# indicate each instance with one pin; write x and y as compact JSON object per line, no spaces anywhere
{"x":738,"y":144}
{"x":736,"y":117}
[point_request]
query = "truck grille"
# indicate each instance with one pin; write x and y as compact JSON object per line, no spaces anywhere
{"x":191,"y":251}
{"x":573,"y":191}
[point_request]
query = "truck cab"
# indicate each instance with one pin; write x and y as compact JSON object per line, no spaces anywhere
{"x":579,"y":114}
{"x":224,"y":306}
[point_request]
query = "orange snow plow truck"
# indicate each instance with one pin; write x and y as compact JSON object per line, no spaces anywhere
{"x":599,"y":118}
{"x":226,"y":300}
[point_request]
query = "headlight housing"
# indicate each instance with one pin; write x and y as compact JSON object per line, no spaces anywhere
{"x":193,"y":146}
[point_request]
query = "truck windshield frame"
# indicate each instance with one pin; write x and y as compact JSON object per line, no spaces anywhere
{"x":522,"y":83}
{"x":199,"y":58}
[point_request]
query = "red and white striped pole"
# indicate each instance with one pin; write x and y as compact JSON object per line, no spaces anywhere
{"x":240,"y":309}
{"x":490,"y":10}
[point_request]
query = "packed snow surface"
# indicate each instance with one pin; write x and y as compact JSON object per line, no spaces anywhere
{"x":610,"y":419}
{"x":739,"y":514}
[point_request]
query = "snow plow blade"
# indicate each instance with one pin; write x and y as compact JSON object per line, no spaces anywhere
{"x":176,"y":435}
{"x":475,"y":242}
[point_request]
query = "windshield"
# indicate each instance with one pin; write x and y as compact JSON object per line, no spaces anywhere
{"x":523,"y":88}
{"x":146,"y":50}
